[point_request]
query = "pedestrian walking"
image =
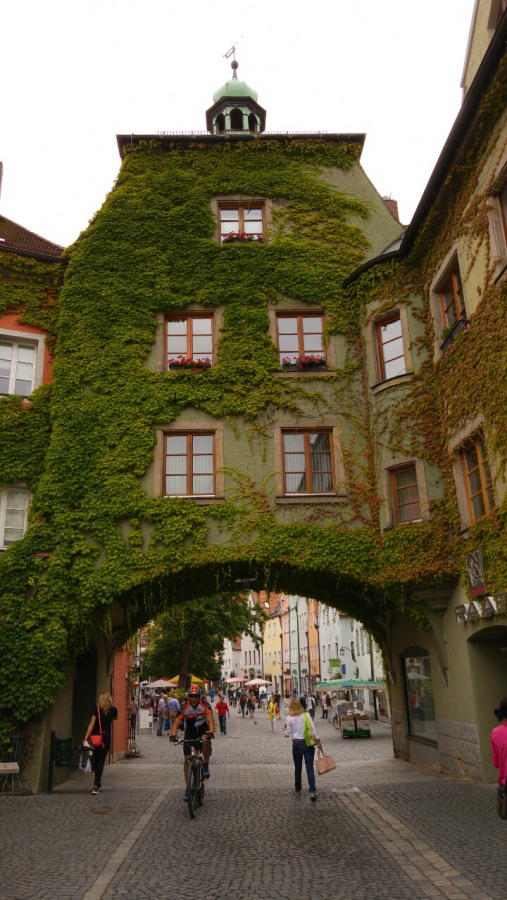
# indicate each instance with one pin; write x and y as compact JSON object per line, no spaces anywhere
{"x":301,"y":729}
{"x":223,"y":713}
{"x":278,"y":700}
{"x":212,"y":693}
{"x":243,"y":700}
{"x":173,"y":708}
{"x":273,"y":711}
{"x":303,"y":698}
{"x":100,"y":726}
{"x":310,"y":705}
{"x":133,"y":710}
{"x":499,"y":743}
{"x":161,"y":714}
{"x":252,"y":699}
{"x":326,"y":705}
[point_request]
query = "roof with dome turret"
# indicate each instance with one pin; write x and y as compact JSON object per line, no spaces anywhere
{"x":234,"y":87}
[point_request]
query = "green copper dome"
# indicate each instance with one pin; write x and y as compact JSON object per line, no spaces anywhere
{"x":235,"y":88}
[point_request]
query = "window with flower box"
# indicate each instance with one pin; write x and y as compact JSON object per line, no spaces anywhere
{"x":189,"y":341}
{"x":477,"y":478}
{"x":300,"y":341}
{"x":241,"y":222}
{"x":14,"y":503}
{"x":189,"y":465}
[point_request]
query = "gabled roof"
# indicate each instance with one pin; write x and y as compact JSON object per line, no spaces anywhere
{"x":16,"y":239}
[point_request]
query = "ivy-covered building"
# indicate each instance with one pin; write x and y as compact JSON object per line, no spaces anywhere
{"x":258,"y":374}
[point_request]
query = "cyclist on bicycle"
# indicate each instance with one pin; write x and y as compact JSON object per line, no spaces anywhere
{"x":197,"y":717}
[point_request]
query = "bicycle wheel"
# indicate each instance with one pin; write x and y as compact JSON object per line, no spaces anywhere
{"x":336,"y":722}
{"x":192,"y":787}
{"x":200,"y":789}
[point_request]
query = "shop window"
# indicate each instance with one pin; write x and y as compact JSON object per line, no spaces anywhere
{"x":299,"y":335}
{"x":390,"y":348}
{"x":308,"y":462}
{"x":477,"y":478}
{"x":189,"y":337}
{"x":17,"y":367}
{"x":13,"y":513}
{"x":189,"y":465}
{"x":241,"y":222}
{"x":419,"y":694}
{"x":405,"y":494}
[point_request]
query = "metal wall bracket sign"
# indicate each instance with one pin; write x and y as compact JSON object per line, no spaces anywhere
{"x":476,"y":574}
{"x":489,"y":608}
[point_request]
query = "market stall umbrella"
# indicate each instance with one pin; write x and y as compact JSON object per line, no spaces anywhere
{"x":195,"y":680}
{"x":163,"y":683}
{"x":256,"y":682}
{"x":233,"y":680}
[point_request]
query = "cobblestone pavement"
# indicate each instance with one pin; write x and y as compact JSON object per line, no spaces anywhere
{"x":381,"y":828}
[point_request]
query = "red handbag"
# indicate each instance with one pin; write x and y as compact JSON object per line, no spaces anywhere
{"x":96,"y":739}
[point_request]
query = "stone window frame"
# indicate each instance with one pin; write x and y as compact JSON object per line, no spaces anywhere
{"x":301,"y":308}
{"x":158,"y":358}
{"x":304,"y":425}
{"x":231,"y":200}
{"x":380,"y":382}
{"x":449,"y":265}
{"x":497,"y":219}
{"x":456,"y":447}
{"x":184,"y":426}
{"x":36,"y":340}
{"x":193,"y":316}
{"x":389,"y":467}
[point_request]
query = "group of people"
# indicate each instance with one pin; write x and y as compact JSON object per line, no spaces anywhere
{"x":195,"y":717}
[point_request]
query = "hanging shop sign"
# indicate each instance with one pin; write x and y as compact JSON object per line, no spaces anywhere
{"x":476,"y":573}
{"x":489,"y":608}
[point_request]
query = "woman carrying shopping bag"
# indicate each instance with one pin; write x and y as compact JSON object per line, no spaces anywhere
{"x":301,"y":728}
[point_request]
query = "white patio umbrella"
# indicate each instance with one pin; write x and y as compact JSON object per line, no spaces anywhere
{"x":233,"y":680}
{"x":256,"y":682}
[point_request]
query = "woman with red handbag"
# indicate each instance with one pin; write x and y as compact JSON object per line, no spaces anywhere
{"x":99,"y":732}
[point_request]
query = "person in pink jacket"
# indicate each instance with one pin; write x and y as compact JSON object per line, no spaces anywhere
{"x":499,"y":743}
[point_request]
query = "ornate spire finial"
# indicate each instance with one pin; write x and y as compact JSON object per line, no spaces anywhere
{"x":234,"y":64}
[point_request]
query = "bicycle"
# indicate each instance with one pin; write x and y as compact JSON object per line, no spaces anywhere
{"x":195,"y":775}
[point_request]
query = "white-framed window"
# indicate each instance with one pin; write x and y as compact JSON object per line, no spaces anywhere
{"x":18,"y":365}
{"x":14,"y":502}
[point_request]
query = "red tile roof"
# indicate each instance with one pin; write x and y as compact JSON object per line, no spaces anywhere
{"x":17,"y":239}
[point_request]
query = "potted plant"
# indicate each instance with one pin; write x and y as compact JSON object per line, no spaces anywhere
{"x":183,"y":362}
{"x":304,"y":363}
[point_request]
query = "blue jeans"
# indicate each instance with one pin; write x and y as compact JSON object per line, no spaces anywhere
{"x":299,"y":752}
{"x":223,"y":724}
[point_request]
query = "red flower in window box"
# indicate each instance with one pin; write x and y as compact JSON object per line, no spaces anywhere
{"x":311,"y":361}
{"x":182,"y":362}
{"x":240,"y":237}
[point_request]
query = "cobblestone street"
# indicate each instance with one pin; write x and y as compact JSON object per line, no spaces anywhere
{"x":381,"y":828}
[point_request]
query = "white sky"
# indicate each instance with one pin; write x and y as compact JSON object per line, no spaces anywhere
{"x":74,"y":73}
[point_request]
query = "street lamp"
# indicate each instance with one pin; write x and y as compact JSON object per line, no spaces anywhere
{"x":342,"y":653}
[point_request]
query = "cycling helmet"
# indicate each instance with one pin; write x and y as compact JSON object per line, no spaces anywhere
{"x":194,"y":691}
